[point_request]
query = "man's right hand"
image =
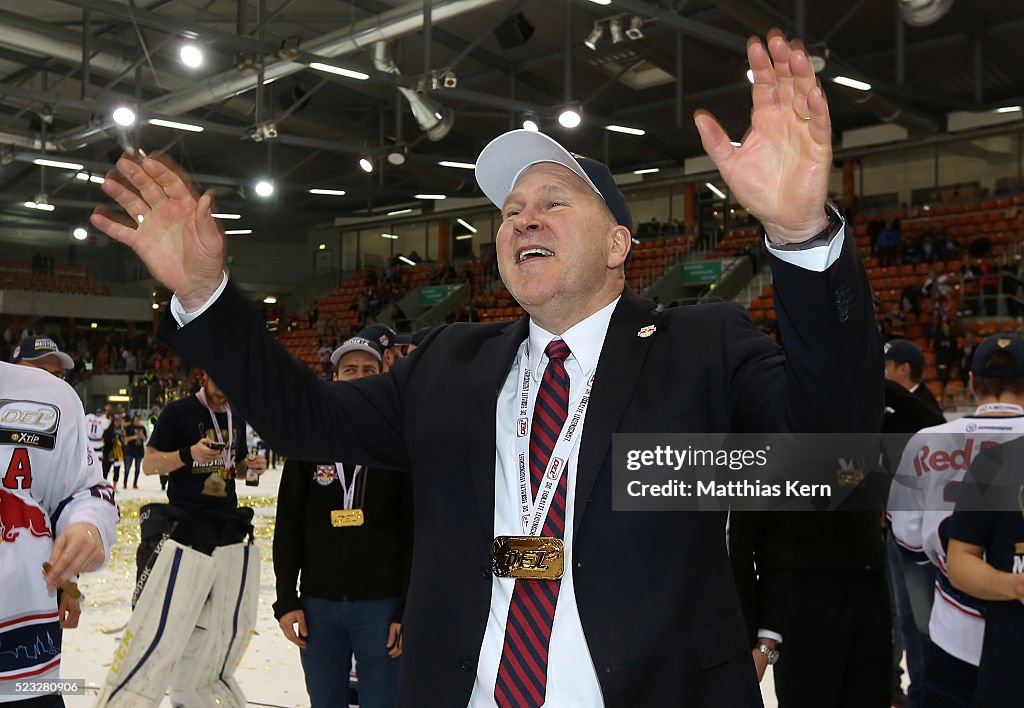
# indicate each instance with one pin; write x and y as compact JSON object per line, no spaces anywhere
{"x":167,"y":225}
{"x":290,"y":621}
{"x":203,"y":452}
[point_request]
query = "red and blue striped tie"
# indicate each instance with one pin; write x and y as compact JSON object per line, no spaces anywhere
{"x":523,"y":670}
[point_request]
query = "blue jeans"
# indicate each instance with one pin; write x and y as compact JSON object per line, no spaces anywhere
{"x":132,"y":458}
{"x":337,"y":629}
{"x":913,"y":590}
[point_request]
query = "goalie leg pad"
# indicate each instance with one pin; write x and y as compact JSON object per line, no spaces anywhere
{"x":160,"y":626}
{"x":205,"y":674}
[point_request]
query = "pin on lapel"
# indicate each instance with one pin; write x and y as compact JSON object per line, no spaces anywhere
{"x":647,"y":331}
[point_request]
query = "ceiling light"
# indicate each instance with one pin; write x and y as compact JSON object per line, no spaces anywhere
{"x":750,"y":75}
{"x":238,"y":232}
{"x":330,"y":69}
{"x":42,"y":162}
{"x":397,"y":155}
{"x":366,"y":164}
{"x":270,"y":299}
{"x":191,"y":56}
{"x":80,"y":233}
{"x":570,"y":117}
{"x":531,"y":123}
{"x":735,"y":144}
{"x":435,"y":197}
{"x":1007,"y":109}
{"x":647,"y":171}
{"x":463,"y":237}
{"x":264,"y":188}
{"x":93,"y":325}
{"x":86,"y":177}
{"x":817,"y":63}
{"x":615,"y":29}
{"x":852,"y":83}
{"x":124,"y":116}
{"x":226,"y":216}
{"x":176,"y":125}
{"x":594,"y":37}
{"x":715,"y":190}
{"x":468,"y":225}
{"x":330,"y":192}
{"x":393,"y":237}
{"x":601,"y":2}
{"x":406,"y":260}
{"x":156,"y":306}
{"x":322,"y":247}
{"x":460,"y":165}
{"x":396,"y":212}
{"x":636,"y":30}
{"x":41,"y":206}
{"x":625,"y":129}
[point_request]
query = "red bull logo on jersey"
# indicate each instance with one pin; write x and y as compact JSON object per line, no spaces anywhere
{"x":18,"y":514}
{"x":928,"y":460}
{"x":325,"y":474}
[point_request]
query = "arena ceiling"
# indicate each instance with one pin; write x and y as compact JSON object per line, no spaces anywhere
{"x":481,"y":64}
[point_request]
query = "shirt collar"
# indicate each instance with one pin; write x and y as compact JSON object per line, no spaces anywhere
{"x":585,"y":339}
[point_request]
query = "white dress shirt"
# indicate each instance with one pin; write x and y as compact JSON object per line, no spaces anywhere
{"x":572,"y":680}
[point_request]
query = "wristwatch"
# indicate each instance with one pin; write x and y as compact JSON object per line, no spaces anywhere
{"x":771,"y":654}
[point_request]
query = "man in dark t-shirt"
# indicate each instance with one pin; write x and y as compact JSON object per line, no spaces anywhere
{"x":199,"y":443}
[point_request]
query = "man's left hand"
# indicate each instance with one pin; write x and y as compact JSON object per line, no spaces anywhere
{"x":77,"y":550}
{"x":394,"y":645}
{"x":780,"y":173}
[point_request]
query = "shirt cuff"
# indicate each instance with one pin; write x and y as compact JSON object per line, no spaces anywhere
{"x":818,"y":258}
{"x":768,"y":634}
{"x":183,"y":317}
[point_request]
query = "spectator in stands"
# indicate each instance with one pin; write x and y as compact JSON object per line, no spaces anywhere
{"x":904,"y":364}
{"x":966,"y":354}
{"x":947,"y":355}
{"x":950,"y":248}
{"x":888,"y":243}
{"x":910,"y":300}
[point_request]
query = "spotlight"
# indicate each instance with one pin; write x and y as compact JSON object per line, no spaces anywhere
{"x":594,"y":37}
{"x":264,"y":188}
{"x":366,"y":164}
{"x":636,"y":30}
{"x":80,"y":233}
{"x":124,"y":116}
{"x":191,"y":56}
{"x":570,"y":117}
{"x":397,"y":155}
{"x":615,"y":29}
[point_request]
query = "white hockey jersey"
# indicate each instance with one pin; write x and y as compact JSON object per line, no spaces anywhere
{"x":95,"y":426}
{"x":49,"y":478}
{"x":921,"y":500}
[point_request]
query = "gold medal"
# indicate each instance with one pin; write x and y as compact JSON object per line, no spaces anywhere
{"x":346,"y":517}
{"x":528,"y":557}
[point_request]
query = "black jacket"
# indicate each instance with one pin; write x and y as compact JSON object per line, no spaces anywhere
{"x":367,"y":562}
{"x":654,"y":590}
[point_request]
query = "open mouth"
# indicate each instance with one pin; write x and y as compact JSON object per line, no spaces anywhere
{"x":531,"y":253}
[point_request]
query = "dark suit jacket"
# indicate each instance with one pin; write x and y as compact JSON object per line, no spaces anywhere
{"x":655,"y":591}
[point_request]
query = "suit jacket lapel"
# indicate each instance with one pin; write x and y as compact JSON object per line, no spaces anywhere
{"x":618,"y":369}
{"x":488,"y":373}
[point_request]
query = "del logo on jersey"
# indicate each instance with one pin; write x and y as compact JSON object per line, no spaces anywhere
{"x":28,"y":423}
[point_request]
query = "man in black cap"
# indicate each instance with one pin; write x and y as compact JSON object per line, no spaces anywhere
{"x":513,"y":494}
{"x":385,"y":340}
{"x":42,"y":353}
{"x":904,"y":364}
